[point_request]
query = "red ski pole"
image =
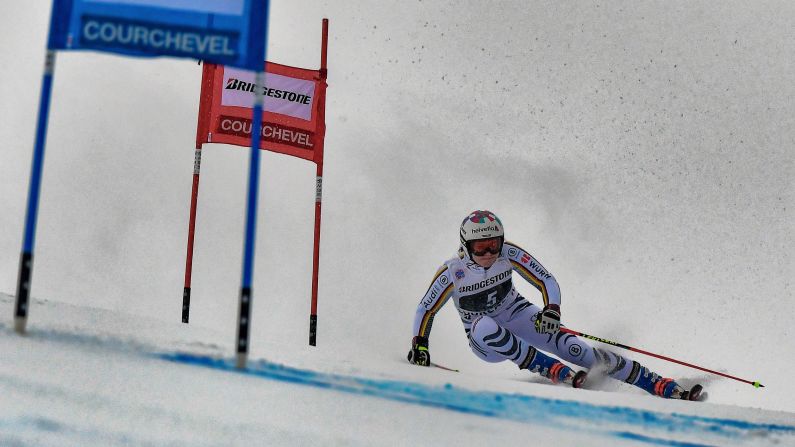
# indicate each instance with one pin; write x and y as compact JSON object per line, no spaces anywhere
{"x":609,"y":342}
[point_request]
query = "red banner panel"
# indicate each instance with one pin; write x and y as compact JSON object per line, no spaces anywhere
{"x":294,"y":109}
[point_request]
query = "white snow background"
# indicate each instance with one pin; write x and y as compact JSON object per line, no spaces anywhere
{"x":642,"y":150}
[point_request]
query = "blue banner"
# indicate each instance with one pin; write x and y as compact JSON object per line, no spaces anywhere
{"x":227,"y":32}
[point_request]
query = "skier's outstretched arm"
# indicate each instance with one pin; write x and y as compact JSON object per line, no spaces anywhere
{"x":438,"y":293}
{"x":533,"y":272}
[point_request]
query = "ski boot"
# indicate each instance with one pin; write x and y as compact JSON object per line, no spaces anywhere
{"x":559,"y":372}
{"x":553,"y":369}
{"x":664,"y":388}
{"x":652,"y":383}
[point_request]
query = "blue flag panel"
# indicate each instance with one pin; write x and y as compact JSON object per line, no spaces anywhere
{"x":228,"y":32}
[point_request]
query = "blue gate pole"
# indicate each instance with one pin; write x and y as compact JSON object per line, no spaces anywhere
{"x":34,"y":191}
{"x":244,"y":311}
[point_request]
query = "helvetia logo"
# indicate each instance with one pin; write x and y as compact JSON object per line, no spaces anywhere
{"x":489,"y":228}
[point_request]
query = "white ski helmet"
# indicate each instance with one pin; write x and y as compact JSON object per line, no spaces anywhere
{"x":480,"y":225}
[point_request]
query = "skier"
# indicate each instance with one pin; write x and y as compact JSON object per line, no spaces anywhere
{"x":502,"y":325}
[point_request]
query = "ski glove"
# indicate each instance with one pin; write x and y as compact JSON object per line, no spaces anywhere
{"x":419,"y":354}
{"x":548,"y":320}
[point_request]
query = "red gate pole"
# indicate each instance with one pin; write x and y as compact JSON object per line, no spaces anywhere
{"x":318,"y":186}
{"x":194,"y":198}
{"x":208,"y":72}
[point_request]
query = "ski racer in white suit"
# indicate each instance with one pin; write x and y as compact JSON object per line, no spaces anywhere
{"x":502,"y":325}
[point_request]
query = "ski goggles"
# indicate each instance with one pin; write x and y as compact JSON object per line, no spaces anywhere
{"x":482,"y":246}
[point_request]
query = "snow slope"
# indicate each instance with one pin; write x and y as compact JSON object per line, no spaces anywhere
{"x":85,"y":376}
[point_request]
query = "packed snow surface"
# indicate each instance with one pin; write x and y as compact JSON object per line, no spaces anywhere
{"x":84,"y":376}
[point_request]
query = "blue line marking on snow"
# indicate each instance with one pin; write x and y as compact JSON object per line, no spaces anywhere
{"x":641,"y":438}
{"x":617,"y":422}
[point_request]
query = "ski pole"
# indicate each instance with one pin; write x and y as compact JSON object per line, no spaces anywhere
{"x":444,"y":367}
{"x":610,"y":342}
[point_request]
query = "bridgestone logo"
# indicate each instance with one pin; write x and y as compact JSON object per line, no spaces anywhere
{"x":486,"y":282}
{"x":243,"y":86}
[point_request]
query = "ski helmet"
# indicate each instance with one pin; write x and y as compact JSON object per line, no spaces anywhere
{"x":480,"y":225}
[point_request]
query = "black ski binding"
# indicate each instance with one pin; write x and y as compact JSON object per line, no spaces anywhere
{"x":579,"y":379}
{"x":694,"y":394}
